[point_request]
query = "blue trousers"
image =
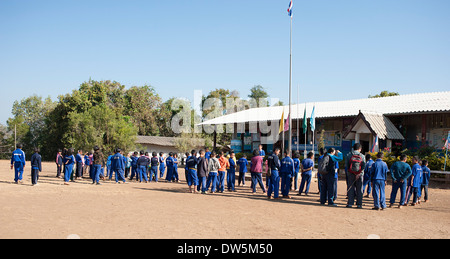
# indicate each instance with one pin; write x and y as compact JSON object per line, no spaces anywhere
{"x":212,"y":179}
{"x":221,"y":181}
{"x":154,"y":172}
{"x":327,"y":188}
{"x":201,"y":184}
{"x":366,"y":182}
{"x":395,"y":186}
{"x":119,"y":175}
{"x":274,"y":184}
{"x":143,"y":173}
{"x":96,"y":171}
{"x":306,"y":179}
{"x":379,"y":195}
{"x":18,"y":172}
{"x":192,"y":177}
{"x":169,"y":175}
{"x":68,"y":173}
{"x":134,"y":172}
{"x":231,"y":179}
{"x":285,"y":183}
{"x":257,"y":178}
{"x":162,"y":168}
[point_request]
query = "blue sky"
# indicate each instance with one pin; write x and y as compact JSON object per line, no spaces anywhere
{"x":342,"y":49}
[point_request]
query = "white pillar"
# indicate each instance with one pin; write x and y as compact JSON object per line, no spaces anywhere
{"x":357,"y":138}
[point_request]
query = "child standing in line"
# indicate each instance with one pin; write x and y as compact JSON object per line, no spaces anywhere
{"x":213,"y":168}
{"x":425,"y":179}
{"x":307,"y":166}
{"x":154,"y":162}
{"x":296,"y":158}
{"x":170,"y":167}
{"x":416,"y":180}
{"x":36,"y":166}
{"x":69,"y":161}
{"x":175,"y":176}
{"x":242,"y":162}
{"x":367,"y":171}
{"x":224,"y":163}
{"x":18,"y":163}
{"x":80,"y":165}
{"x":59,"y":163}
{"x":378,"y":175}
{"x":231,"y":173}
{"x":162,"y":165}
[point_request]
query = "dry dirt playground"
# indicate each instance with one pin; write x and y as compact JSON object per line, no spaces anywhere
{"x":167,"y":211}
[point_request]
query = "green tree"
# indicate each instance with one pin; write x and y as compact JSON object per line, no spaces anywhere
{"x":257,"y":93}
{"x":384,"y":94}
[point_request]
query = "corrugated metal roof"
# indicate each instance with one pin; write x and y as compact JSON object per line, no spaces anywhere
{"x":378,"y":124}
{"x":402,"y":104}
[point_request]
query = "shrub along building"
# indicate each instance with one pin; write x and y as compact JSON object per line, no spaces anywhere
{"x":405,"y":121}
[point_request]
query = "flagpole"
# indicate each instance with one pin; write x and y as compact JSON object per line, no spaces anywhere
{"x":290,"y":92}
{"x":305,"y":130}
{"x":298,"y":120}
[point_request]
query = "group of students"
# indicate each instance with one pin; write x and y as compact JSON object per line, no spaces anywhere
{"x":361,"y":172}
{"x":208,"y":171}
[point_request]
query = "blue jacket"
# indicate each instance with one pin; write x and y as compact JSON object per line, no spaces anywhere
{"x":79,"y":159}
{"x":417,"y":173}
{"x":242,"y":165}
{"x":87,"y":161}
{"x":297,"y":165}
{"x":426,"y":175}
{"x":232,"y":165}
{"x":169,"y":162}
{"x":307,"y":163}
{"x":134,"y":160}
{"x":117,"y":162}
{"x":36,"y":160}
{"x":273,"y":162}
{"x":69,"y":160}
{"x":378,"y":170}
{"x":367,"y":170}
{"x":400,"y":171}
{"x":192,"y":162}
{"x":18,"y":156}
{"x":287,"y":166}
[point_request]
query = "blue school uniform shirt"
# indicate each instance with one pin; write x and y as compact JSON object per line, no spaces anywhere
{"x":207,"y":155}
{"x":378,"y":170}
{"x":367,"y":170}
{"x":232,"y":164}
{"x":108,"y":161}
{"x":18,"y":157}
{"x":297,"y":165}
{"x":191,"y":162}
{"x":426,"y":175}
{"x":117,"y":162}
{"x":79,"y":159}
{"x":87,"y":161}
{"x":287,"y":166}
{"x":417,"y":173}
{"x":69,"y":159}
{"x":169,"y":162}
{"x":175,"y":165}
{"x":36,"y":160}
{"x":307,"y":163}
{"x":243,"y":162}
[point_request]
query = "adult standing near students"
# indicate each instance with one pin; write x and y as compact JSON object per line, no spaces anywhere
{"x":355,"y":165}
{"x":256,"y":171}
{"x":98,"y":160}
{"x":18,"y":163}
{"x":400,"y":172}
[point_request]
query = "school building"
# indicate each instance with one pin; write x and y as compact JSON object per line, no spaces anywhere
{"x":407,"y":121}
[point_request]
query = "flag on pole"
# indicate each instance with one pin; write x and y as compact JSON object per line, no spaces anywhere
{"x":375,"y":144}
{"x":288,"y":121}
{"x":313,"y":119}
{"x":305,"y":123}
{"x":447,"y":142}
{"x":290,"y":9}
{"x":281,"y":123}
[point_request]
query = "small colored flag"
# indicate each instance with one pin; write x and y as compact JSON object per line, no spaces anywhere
{"x":313,"y":119}
{"x":375,"y":144}
{"x":288,"y":121}
{"x":281,"y":124}
{"x":290,"y":9}
{"x":447,"y":142}
{"x":305,"y":123}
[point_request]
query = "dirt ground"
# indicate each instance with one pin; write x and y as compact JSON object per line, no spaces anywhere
{"x":167,"y":211}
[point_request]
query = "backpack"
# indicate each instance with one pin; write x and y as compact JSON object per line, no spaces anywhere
{"x":323,"y":165}
{"x":355,"y":164}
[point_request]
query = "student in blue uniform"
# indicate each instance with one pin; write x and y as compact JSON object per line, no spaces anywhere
{"x":154,"y":162}
{"x":274,"y":165}
{"x":36,"y":166}
{"x":242,"y":163}
{"x":118,"y":166}
{"x":297,"y":165}
{"x":191,"y":164}
{"x":142,"y":165}
{"x":319,"y":176}
{"x":108,"y":166}
{"x":18,"y":163}
{"x":416,"y":179}
{"x":134,"y":167}
{"x":400,"y":172}
{"x":378,"y":175}
{"x":231,"y":173}
{"x":59,"y":163}
{"x":328,"y":180}
{"x":162,"y":165}
{"x":287,"y":171}
{"x":87,"y":163}
{"x":98,"y":161}
{"x":80,"y":164}
{"x":207,"y":153}
{"x":425,"y":179}
{"x":69,"y":162}
{"x":307,"y":166}
{"x":169,"y":166}
{"x":367,"y":176}
{"x":175,"y":177}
